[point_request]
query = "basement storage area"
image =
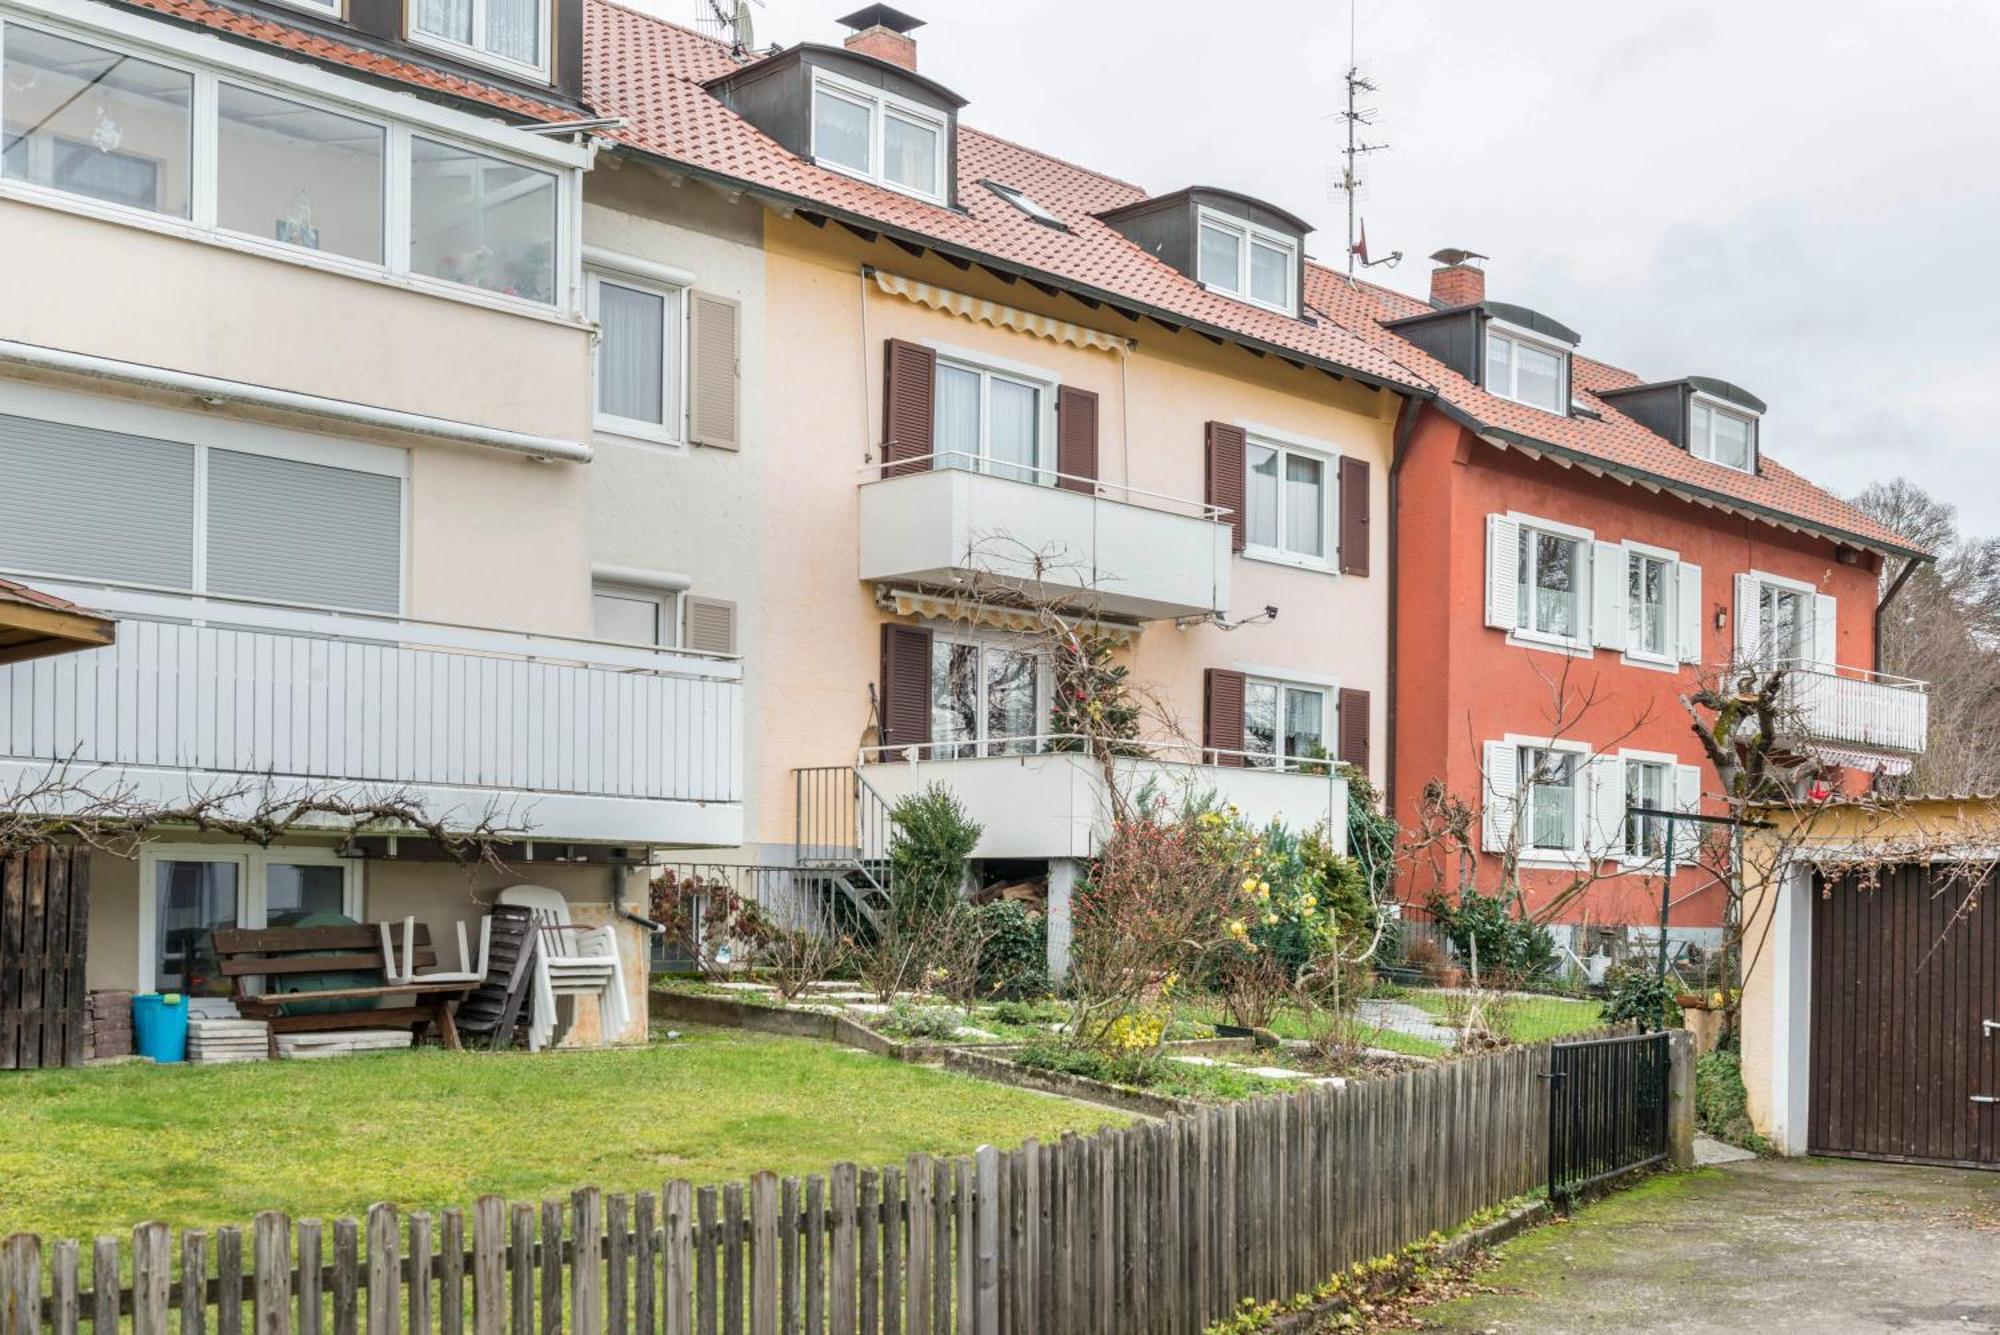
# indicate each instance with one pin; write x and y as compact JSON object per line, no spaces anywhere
{"x":1905,"y":1014}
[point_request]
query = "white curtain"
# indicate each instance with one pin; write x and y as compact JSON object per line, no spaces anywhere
{"x":1261,"y":507}
{"x":514,"y":30}
{"x":631,"y":360}
{"x":955,"y":419}
{"x":1305,"y":506}
{"x":449,"y":19}
{"x":1011,"y":444}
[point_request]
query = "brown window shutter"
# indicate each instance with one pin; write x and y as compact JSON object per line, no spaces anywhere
{"x":909,"y":398}
{"x":1076,"y":439}
{"x":1222,"y":716}
{"x":715,"y":391}
{"x":905,"y":706}
{"x":1226,"y":446}
{"x":1354,"y":505}
{"x":1353,"y":724}
{"x":708,"y":625}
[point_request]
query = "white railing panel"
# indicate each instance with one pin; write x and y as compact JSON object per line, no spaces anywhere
{"x":253,"y":701}
{"x":1856,"y":711}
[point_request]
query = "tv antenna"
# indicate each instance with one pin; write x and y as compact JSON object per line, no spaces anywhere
{"x":1358,"y":116}
{"x":729,"y":21}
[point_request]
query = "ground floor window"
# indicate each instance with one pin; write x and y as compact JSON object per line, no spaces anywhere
{"x":1548,"y":799}
{"x":987,"y":698}
{"x":188,"y":894}
{"x":1646,"y":785}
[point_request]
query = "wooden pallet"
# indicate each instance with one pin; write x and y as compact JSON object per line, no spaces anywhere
{"x":44,"y":923}
{"x":495,"y":1009}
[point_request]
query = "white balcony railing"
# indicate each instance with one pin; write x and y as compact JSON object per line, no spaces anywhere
{"x":1038,"y":801}
{"x":1122,"y":551}
{"x":1851,"y":707}
{"x":562,"y":738}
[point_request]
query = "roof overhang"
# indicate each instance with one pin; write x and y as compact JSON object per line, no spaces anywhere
{"x":34,"y":625}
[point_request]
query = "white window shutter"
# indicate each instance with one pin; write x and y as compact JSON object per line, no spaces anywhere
{"x":709,"y":625}
{"x":715,"y":372}
{"x":1610,"y":581}
{"x":1503,"y":571}
{"x":1687,"y":797}
{"x":1605,"y":838}
{"x":1503,"y":780}
{"x":1689,"y":612}
{"x":1826,"y":627}
{"x":1747,"y":588}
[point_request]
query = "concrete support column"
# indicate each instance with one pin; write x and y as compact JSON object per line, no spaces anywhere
{"x":1680,"y":1099}
{"x":1063,"y":874}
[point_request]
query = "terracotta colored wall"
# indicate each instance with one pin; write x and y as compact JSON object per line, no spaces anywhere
{"x":1461,"y":683}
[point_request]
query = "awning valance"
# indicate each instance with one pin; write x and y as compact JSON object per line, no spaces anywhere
{"x":996,"y":313}
{"x":1020,"y":620}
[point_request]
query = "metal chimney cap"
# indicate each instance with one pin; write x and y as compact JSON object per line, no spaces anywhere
{"x":1451,"y":255}
{"x":870,"y":16}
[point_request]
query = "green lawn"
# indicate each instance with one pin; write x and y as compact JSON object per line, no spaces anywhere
{"x":1528,"y":1019}
{"x":97,"y":1150}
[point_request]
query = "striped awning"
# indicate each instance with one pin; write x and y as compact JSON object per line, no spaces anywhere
{"x":996,"y":313}
{"x":973,"y":611}
{"x":1868,"y":762}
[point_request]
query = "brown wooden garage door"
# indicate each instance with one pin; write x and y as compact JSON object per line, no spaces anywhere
{"x":1903,"y":974}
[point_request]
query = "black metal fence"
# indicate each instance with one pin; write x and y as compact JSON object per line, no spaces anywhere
{"x":1607,"y":1110}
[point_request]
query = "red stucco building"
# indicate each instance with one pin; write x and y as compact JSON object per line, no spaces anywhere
{"x":1574,"y":548}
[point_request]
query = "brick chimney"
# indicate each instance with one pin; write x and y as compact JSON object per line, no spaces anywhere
{"x":883,"y":33}
{"x":1457,"y":281}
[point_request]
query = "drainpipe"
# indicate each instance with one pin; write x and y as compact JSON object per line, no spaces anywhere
{"x":1895,"y":587}
{"x":618,"y":880}
{"x":1406,"y":422}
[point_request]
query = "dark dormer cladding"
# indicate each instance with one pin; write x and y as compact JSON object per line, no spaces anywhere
{"x":1171,"y":227}
{"x":1463,"y":337}
{"x":893,"y":108}
{"x":1672,"y":410}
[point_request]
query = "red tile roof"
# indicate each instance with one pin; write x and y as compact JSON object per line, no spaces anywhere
{"x":21,"y":594}
{"x":651,"y":72}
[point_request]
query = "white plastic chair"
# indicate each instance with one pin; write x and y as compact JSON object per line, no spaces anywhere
{"x":406,"y":972}
{"x":570,"y":961}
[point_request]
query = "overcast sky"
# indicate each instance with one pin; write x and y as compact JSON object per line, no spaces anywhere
{"x":1803,"y":198}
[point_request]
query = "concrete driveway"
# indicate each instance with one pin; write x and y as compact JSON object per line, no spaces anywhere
{"x":1770,"y":1245}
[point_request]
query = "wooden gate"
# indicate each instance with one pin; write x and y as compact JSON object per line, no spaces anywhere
{"x":44,"y":918}
{"x":1906,"y":1019}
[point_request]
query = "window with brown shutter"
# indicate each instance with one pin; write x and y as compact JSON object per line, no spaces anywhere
{"x":1222,"y":716}
{"x":1224,"y":470}
{"x":1353,"y":724}
{"x":708,"y":625}
{"x":715,"y":389}
{"x":1354,"y":505}
{"x":909,"y":398}
{"x":905,"y":705}
{"x":1076,"y":439}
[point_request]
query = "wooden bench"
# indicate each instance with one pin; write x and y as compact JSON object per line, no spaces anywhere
{"x":274,"y":953}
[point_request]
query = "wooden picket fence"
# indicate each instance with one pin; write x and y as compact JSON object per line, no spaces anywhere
{"x":1160,"y":1227}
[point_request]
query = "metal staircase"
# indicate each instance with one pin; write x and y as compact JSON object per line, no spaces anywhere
{"x":841,"y":830}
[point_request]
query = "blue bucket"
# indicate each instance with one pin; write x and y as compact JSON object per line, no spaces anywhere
{"x":160,"y":1026}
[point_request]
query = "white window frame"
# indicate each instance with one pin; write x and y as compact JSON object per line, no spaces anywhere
{"x":672,"y":428}
{"x":982,"y":742}
{"x":1287,"y":687}
{"x":335,"y":8}
{"x":1329,"y":462}
{"x":1580,"y":804}
{"x":1669,"y":657}
{"x":210,"y":60}
{"x":881,"y":103}
{"x":1668,"y":764}
{"x":666,"y":601}
{"x":1579,"y":644}
{"x":1247,"y":233}
{"x":1808,"y":595}
{"x":253,"y":892}
{"x":205,"y":433}
{"x":478,"y":55}
{"x":1705,"y":449}
{"x":1519,"y":337}
{"x":1045,"y":383}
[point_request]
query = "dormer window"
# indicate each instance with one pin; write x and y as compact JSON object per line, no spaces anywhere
{"x":1721,"y":436}
{"x":872,"y":133}
{"x":508,"y":34}
{"x":1526,"y":370}
{"x":1251,"y":263}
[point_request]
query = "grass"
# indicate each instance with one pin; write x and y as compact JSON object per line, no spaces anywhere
{"x":98,"y":1150}
{"x":1527,"y":1019}
{"x":1291,"y":1022}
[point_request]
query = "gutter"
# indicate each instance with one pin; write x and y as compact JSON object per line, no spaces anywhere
{"x":215,"y":391}
{"x":1406,"y":424}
